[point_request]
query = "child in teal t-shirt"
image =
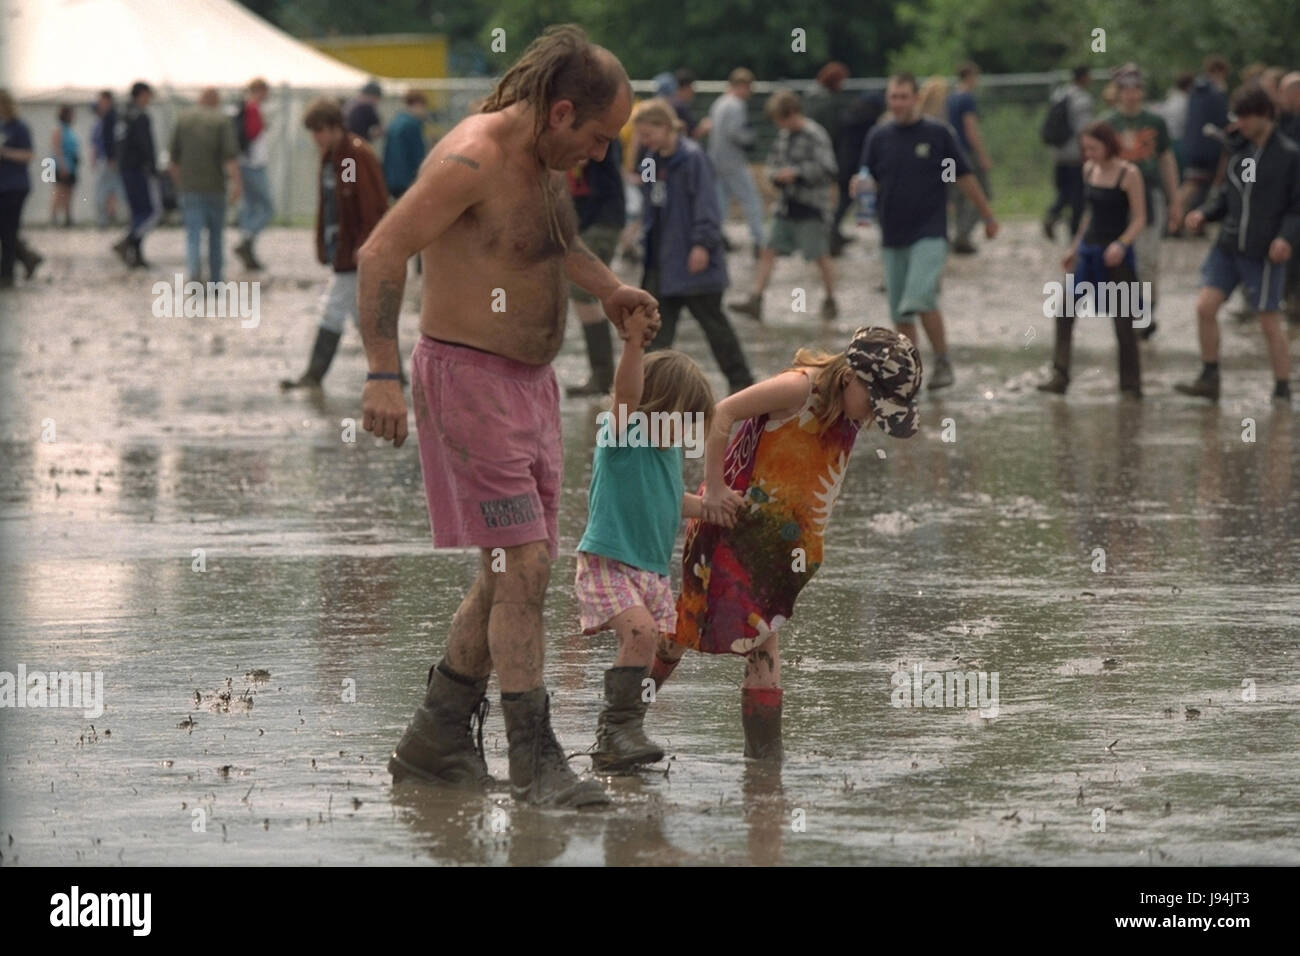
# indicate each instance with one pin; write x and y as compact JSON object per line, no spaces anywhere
{"x":662,"y":407}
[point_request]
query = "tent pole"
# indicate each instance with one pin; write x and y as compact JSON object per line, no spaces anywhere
{"x":285,"y":170}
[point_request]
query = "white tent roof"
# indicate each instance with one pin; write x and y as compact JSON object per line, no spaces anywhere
{"x":60,"y":47}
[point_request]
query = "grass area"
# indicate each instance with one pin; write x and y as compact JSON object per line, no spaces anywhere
{"x":1022,"y":165}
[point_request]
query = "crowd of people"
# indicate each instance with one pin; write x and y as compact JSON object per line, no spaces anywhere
{"x":1133,"y":173}
{"x":829,"y":148}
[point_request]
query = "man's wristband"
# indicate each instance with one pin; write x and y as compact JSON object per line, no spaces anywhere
{"x":383,"y":376}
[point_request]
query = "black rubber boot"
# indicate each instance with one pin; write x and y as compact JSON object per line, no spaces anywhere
{"x":438,"y":745}
{"x":1057,"y":383}
{"x":1130,"y":362}
{"x":137,"y":255}
{"x":760,"y":715}
{"x":322,"y":355}
{"x":247,"y":256}
{"x":600,"y":352}
{"x":751,"y":308}
{"x":1060,"y":379}
{"x":621,"y":743}
{"x":29,"y":257}
{"x":1205,"y":386}
{"x":539,"y":774}
{"x":125,"y":251}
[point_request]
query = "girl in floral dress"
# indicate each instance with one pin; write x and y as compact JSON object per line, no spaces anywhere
{"x":740,"y":576}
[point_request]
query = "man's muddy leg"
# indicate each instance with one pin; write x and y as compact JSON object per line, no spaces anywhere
{"x":539,"y":771}
{"x":468,"y":652}
{"x":439,"y":746}
{"x":514,"y":628}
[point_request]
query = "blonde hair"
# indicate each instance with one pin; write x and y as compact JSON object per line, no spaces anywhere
{"x":657,"y":112}
{"x":833,"y":374}
{"x":674,"y":383}
{"x":934,"y":97}
{"x":782,"y":105}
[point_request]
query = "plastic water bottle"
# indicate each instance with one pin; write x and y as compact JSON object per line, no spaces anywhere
{"x":866,"y":198}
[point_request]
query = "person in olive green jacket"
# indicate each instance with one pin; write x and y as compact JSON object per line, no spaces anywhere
{"x":204,"y":151}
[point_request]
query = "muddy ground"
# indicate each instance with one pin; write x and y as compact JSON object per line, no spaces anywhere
{"x":1147,"y":713}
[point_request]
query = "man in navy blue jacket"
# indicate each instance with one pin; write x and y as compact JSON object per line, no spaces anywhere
{"x":137,"y":162}
{"x":1260,"y":210}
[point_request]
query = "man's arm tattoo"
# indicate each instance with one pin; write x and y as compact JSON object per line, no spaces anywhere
{"x":390,"y":305}
{"x":463,"y":160}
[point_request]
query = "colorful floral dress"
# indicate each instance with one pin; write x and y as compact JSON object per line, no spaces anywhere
{"x":739,"y":584}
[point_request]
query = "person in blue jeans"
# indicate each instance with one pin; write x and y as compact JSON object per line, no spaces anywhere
{"x":255,"y":211}
{"x":730,"y":136}
{"x":109,"y":195}
{"x":203,"y":150}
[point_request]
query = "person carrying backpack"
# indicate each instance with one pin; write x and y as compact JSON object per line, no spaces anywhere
{"x":1070,"y":112}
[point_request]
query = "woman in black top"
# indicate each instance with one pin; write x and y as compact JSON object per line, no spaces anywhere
{"x":1102,"y":252}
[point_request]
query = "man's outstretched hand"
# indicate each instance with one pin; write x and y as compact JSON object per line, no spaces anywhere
{"x":383,"y":409}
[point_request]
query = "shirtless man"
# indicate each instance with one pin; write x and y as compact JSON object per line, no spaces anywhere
{"x":491,"y":216}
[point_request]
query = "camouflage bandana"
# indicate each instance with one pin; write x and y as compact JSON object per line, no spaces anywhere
{"x":890,"y":367}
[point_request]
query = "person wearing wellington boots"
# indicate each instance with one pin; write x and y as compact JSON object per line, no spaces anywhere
{"x":788,"y":459}
{"x":353,"y":198}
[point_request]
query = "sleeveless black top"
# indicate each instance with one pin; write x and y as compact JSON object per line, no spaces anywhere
{"x":1109,"y":206}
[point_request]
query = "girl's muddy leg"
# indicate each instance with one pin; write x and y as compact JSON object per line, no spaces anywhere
{"x":637,"y":637}
{"x":621,"y":743}
{"x":760,"y":702}
{"x":665,"y":660}
{"x":763,"y":665}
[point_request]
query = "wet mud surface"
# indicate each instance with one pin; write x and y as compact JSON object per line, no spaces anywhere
{"x":250,"y":705}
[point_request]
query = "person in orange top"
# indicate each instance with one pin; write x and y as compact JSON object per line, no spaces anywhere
{"x":741,"y":576}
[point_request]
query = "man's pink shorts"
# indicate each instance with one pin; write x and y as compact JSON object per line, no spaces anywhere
{"x":490,"y":450}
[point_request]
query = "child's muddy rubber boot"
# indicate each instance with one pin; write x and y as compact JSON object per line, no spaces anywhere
{"x":661,"y":670}
{"x":760,"y":715}
{"x":438,"y":746}
{"x":539,"y":774}
{"x":621,"y":743}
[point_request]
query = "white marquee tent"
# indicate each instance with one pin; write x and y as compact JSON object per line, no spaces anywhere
{"x":56,"y":52}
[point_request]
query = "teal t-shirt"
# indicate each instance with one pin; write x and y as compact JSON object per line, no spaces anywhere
{"x":634,"y":507}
